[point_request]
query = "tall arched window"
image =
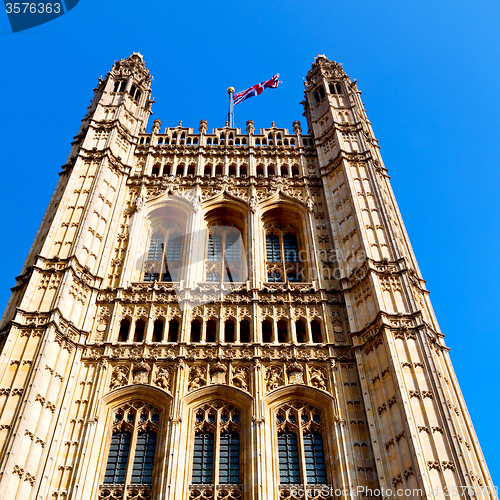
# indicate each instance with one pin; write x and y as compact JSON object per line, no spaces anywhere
{"x":216,"y":453}
{"x":316,"y":334}
{"x":224,"y":254}
{"x":164,"y":256}
{"x":132,"y":450}
{"x":282,"y":254}
{"x":124,"y":330}
{"x":158,"y":328}
{"x":245,"y":331}
{"x":301,"y":451}
{"x":173,"y":330}
{"x":140,"y":328}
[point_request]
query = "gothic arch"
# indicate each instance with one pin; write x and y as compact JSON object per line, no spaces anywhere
{"x":225,"y":199}
{"x":225,"y":219}
{"x":242,"y":399}
{"x":165,"y":197}
{"x":279,"y":199}
{"x":148,"y":393}
{"x":303,"y":393}
{"x":137,"y":397}
{"x":167,"y":209}
{"x":219,"y":396}
{"x":315,"y":401}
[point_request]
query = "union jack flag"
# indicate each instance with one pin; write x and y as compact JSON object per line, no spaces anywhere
{"x":256,"y":89}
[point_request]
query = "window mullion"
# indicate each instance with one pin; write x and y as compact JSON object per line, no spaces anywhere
{"x":131,"y":456}
{"x":282,"y":252}
{"x":302,"y":456}
{"x":216,"y":452}
{"x":223,"y":256}
{"x":163,"y":268}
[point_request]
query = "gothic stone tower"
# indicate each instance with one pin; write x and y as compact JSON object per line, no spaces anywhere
{"x":227,"y":316}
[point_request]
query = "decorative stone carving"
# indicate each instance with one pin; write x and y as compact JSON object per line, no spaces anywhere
{"x":218,"y":373}
{"x":253,"y":204}
{"x":310,"y":204}
{"x":163,"y":378}
{"x":203,"y":126}
{"x":274,"y":378}
{"x":317,"y":378}
{"x":156,"y":126}
{"x":119,"y":377}
{"x":141,"y":372}
{"x":250,"y":127}
{"x":196,"y":203}
{"x":197,"y":378}
{"x":139,"y":203}
{"x":295,"y":373}
{"x":240,"y":378}
{"x":297,"y":129}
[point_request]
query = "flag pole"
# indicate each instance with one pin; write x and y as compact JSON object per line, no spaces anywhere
{"x":230,"y":91}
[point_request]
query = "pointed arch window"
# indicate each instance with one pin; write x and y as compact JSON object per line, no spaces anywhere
{"x":301,"y":451}
{"x":282,"y":254}
{"x":288,"y":450}
{"x":132,"y":449}
{"x":164,"y":256}
{"x":116,"y":468}
{"x":216,"y":453}
{"x":203,"y":458}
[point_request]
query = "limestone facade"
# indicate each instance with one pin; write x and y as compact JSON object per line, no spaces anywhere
{"x":291,"y":307}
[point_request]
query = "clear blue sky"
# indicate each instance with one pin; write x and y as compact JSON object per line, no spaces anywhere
{"x":429,"y":72}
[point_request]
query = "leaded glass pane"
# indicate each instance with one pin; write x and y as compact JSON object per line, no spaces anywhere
{"x":273,"y":252}
{"x":213,"y":277}
{"x":174,"y":247}
{"x":229,"y":465}
{"x":231,"y":276}
{"x":291,"y":248}
{"x":315,"y":458}
{"x":142,"y":470}
{"x":214,"y":247}
{"x":155,"y":247}
{"x":288,"y":453}
{"x":232,"y":247}
{"x":274,"y":276}
{"x":293,"y":275}
{"x":119,"y":450}
{"x":151,"y":276}
{"x":203,"y":458}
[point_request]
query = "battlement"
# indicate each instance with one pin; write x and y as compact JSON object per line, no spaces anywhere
{"x":225,"y":136}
